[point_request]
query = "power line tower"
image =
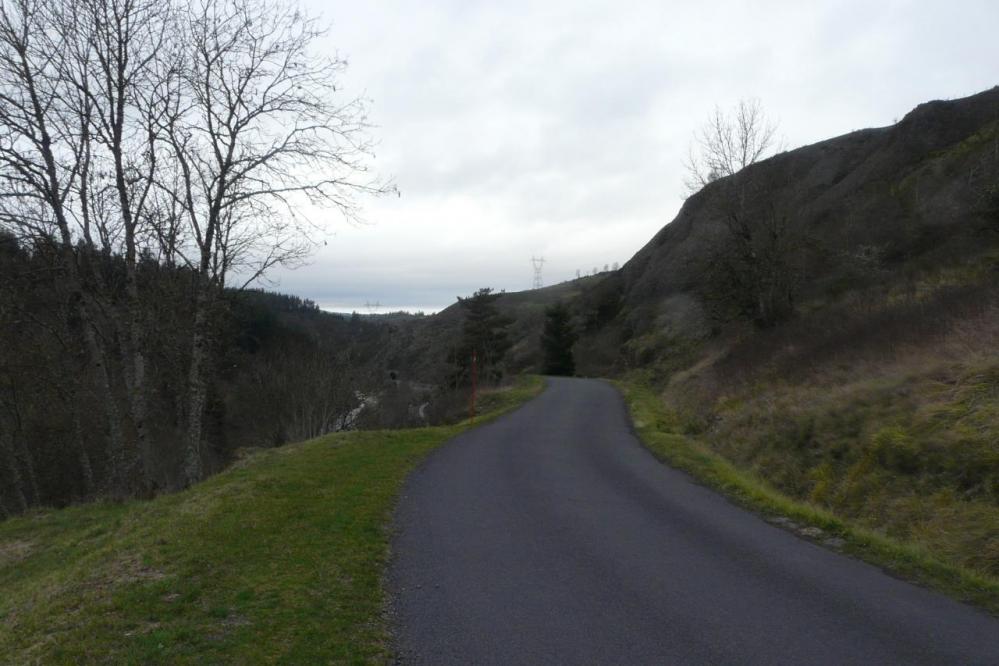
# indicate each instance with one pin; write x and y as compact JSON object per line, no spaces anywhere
{"x":372,"y":307}
{"x":538,"y":263}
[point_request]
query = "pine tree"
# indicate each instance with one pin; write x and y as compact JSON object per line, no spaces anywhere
{"x":557,"y":340}
{"x":484,"y":333}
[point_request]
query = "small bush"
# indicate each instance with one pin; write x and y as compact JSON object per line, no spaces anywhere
{"x":895,"y":450}
{"x":823,"y":480}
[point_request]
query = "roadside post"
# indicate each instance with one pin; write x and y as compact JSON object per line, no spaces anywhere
{"x":475,"y":378}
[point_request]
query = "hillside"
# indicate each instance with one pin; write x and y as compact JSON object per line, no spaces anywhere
{"x":285,"y":372}
{"x":430,"y":338}
{"x":886,"y":206}
{"x":878,"y":398}
{"x":876,"y":395}
{"x":871,"y":403}
{"x":276,"y":560}
{"x":913,"y":192}
{"x":879,"y":205}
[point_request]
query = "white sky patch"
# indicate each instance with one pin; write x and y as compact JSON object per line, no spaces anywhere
{"x":560,"y":128}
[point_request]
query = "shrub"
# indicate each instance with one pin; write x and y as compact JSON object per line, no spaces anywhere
{"x":895,"y":450}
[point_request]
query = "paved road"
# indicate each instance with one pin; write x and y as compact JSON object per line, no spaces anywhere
{"x":552,"y":536}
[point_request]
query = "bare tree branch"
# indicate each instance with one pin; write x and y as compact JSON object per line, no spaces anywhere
{"x":726,"y":144}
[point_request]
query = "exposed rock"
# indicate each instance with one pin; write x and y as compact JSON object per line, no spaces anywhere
{"x":783,"y":521}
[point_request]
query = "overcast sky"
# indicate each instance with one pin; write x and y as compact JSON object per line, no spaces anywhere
{"x":559,"y":128}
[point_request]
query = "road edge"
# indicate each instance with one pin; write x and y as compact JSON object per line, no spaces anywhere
{"x":531,"y":386}
{"x":901,"y":560}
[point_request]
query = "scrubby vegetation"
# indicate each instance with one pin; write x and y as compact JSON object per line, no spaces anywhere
{"x":557,"y":340}
{"x":662,"y":429}
{"x":881,"y":408}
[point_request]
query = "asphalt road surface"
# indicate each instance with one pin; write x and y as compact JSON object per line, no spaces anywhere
{"x":551,"y":536}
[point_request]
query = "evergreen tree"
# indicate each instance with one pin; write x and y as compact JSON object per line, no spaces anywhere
{"x":557,"y":340}
{"x":484,"y":333}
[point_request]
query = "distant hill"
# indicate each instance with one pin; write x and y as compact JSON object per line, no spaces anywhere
{"x":877,"y":204}
{"x":912,"y":190}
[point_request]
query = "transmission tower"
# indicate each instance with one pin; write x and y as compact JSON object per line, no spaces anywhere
{"x":372,"y":307}
{"x":538,"y":263}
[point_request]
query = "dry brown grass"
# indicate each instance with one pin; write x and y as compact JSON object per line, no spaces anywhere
{"x":13,"y":552}
{"x":883,"y":408}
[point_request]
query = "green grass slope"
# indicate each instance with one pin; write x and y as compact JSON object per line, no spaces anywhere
{"x":279,"y":559}
{"x":873,"y":418}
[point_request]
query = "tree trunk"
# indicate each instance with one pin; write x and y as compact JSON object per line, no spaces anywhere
{"x":20,"y":453}
{"x":52,"y":190}
{"x":17,"y":489}
{"x":129,"y":473}
{"x":133,"y":339}
{"x":134,"y":362}
{"x":117,"y":475}
{"x":132,"y":446}
{"x":123,"y":474}
{"x":28,"y":463}
{"x":86,"y":468}
{"x":197,"y":383}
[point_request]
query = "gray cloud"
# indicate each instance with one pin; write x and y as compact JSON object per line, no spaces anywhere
{"x":560,"y":127}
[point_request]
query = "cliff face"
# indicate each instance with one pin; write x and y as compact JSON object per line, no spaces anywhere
{"x":911,"y":192}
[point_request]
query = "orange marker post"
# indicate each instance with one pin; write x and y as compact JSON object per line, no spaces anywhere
{"x":475,"y":378}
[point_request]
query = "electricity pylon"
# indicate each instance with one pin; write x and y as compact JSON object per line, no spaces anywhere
{"x":538,"y":263}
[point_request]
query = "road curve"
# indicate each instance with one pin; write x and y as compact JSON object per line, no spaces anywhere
{"x":552,"y":536}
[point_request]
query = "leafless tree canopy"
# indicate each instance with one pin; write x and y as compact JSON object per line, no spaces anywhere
{"x":194,"y":130}
{"x":757,"y":267}
{"x":762,"y":255}
{"x":727,"y":143}
{"x":193,"y":134}
{"x":255,"y":128}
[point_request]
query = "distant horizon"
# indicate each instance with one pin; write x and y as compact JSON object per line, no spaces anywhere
{"x":365,"y":307}
{"x":442,"y":297}
{"x":381,"y":310}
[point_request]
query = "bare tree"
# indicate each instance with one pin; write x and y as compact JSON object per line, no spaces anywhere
{"x":726,"y":144}
{"x":115,"y":63}
{"x":756,"y":268}
{"x":94,"y":68}
{"x":195,"y":132}
{"x":760,"y":262}
{"x":317,"y":393}
{"x":42,"y":151}
{"x":110,"y":68}
{"x":257,"y":130}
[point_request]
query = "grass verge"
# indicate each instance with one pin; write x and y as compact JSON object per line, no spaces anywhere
{"x":662,"y":434}
{"x":277,"y":560}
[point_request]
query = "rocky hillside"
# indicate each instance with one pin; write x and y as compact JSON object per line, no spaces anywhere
{"x":875,"y":394}
{"x":874,"y":207}
{"x":913,"y":192}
